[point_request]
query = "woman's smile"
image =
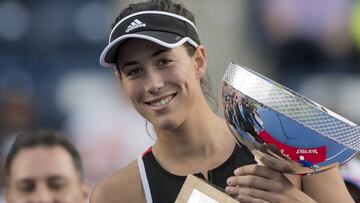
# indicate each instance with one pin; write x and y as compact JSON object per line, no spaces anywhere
{"x":160,"y":103}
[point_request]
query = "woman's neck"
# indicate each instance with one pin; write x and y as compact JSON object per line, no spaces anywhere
{"x":203,"y":138}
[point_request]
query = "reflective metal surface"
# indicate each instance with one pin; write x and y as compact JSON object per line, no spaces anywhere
{"x":283,"y":128}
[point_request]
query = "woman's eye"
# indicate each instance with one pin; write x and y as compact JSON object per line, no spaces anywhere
{"x":134,"y":72}
{"x":164,"y":62}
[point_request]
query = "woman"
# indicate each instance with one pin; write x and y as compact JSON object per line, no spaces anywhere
{"x":156,"y":52}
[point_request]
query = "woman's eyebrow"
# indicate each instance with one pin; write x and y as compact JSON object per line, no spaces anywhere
{"x":158,"y":52}
{"x":129,"y":63}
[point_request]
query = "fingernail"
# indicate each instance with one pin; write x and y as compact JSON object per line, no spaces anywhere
{"x":228,"y":189}
{"x":230,"y":181}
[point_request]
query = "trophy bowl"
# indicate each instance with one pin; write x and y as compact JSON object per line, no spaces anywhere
{"x":283,"y":129}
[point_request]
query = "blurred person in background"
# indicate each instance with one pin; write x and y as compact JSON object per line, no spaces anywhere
{"x":308,"y":37}
{"x":1,"y":180}
{"x":16,"y":112}
{"x":157,"y":55}
{"x":43,"y":166}
{"x":36,"y":61}
{"x":96,"y":123}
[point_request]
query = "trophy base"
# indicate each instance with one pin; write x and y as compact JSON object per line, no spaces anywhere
{"x":196,"y":190}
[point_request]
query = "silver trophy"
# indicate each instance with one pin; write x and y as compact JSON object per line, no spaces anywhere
{"x":283,"y":129}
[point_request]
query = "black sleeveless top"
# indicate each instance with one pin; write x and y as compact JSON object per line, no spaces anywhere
{"x":165,"y":186}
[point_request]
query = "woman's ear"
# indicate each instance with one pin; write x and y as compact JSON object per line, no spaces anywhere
{"x":200,"y":61}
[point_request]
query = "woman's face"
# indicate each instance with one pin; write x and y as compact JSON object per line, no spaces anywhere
{"x":163,"y":84}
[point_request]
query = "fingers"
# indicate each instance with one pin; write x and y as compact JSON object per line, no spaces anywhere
{"x":248,"y":181}
{"x":273,"y":162}
{"x":257,"y":170}
{"x":256,"y":182}
{"x":247,"y":199}
{"x":244,"y":194}
{"x":277,"y":163}
{"x":258,"y":177}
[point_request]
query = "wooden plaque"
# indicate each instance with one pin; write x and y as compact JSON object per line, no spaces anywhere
{"x":196,"y":190}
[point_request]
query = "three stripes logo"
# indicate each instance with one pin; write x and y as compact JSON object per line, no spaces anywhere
{"x":135,"y":24}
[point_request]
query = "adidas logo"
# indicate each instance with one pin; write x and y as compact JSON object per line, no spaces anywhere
{"x":135,"y":24}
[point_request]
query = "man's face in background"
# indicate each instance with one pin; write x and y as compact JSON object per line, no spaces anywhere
{"x":45,"y":174}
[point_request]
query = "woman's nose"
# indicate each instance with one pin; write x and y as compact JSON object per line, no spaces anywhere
{"x":154,"y":81}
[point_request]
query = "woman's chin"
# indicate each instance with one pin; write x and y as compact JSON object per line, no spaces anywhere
{"x":166,"y":124}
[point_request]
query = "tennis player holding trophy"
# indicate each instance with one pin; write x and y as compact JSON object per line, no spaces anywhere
{"x":155,"y":51}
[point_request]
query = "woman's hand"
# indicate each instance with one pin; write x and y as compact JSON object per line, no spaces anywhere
{"x":255,"y":183}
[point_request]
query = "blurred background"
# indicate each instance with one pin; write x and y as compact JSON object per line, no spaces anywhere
{"x":50,"y":76}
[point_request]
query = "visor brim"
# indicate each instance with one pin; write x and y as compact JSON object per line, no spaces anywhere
{"x":165,"y":39}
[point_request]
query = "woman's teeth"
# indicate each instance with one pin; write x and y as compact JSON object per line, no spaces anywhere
{"x":163,"y":101}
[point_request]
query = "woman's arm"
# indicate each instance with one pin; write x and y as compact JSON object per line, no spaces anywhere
{"x":255,"y":183}
{"x":327,"y":186}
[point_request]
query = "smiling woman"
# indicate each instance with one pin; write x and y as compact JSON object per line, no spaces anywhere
{"x":169,"y":87}
{"x":149,"y":51}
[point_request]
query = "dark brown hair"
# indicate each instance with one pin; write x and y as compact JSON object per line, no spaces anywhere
{"x":46,"y":138}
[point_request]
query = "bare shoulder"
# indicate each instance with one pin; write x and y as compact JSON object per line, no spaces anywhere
{"x":122,"y":186}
